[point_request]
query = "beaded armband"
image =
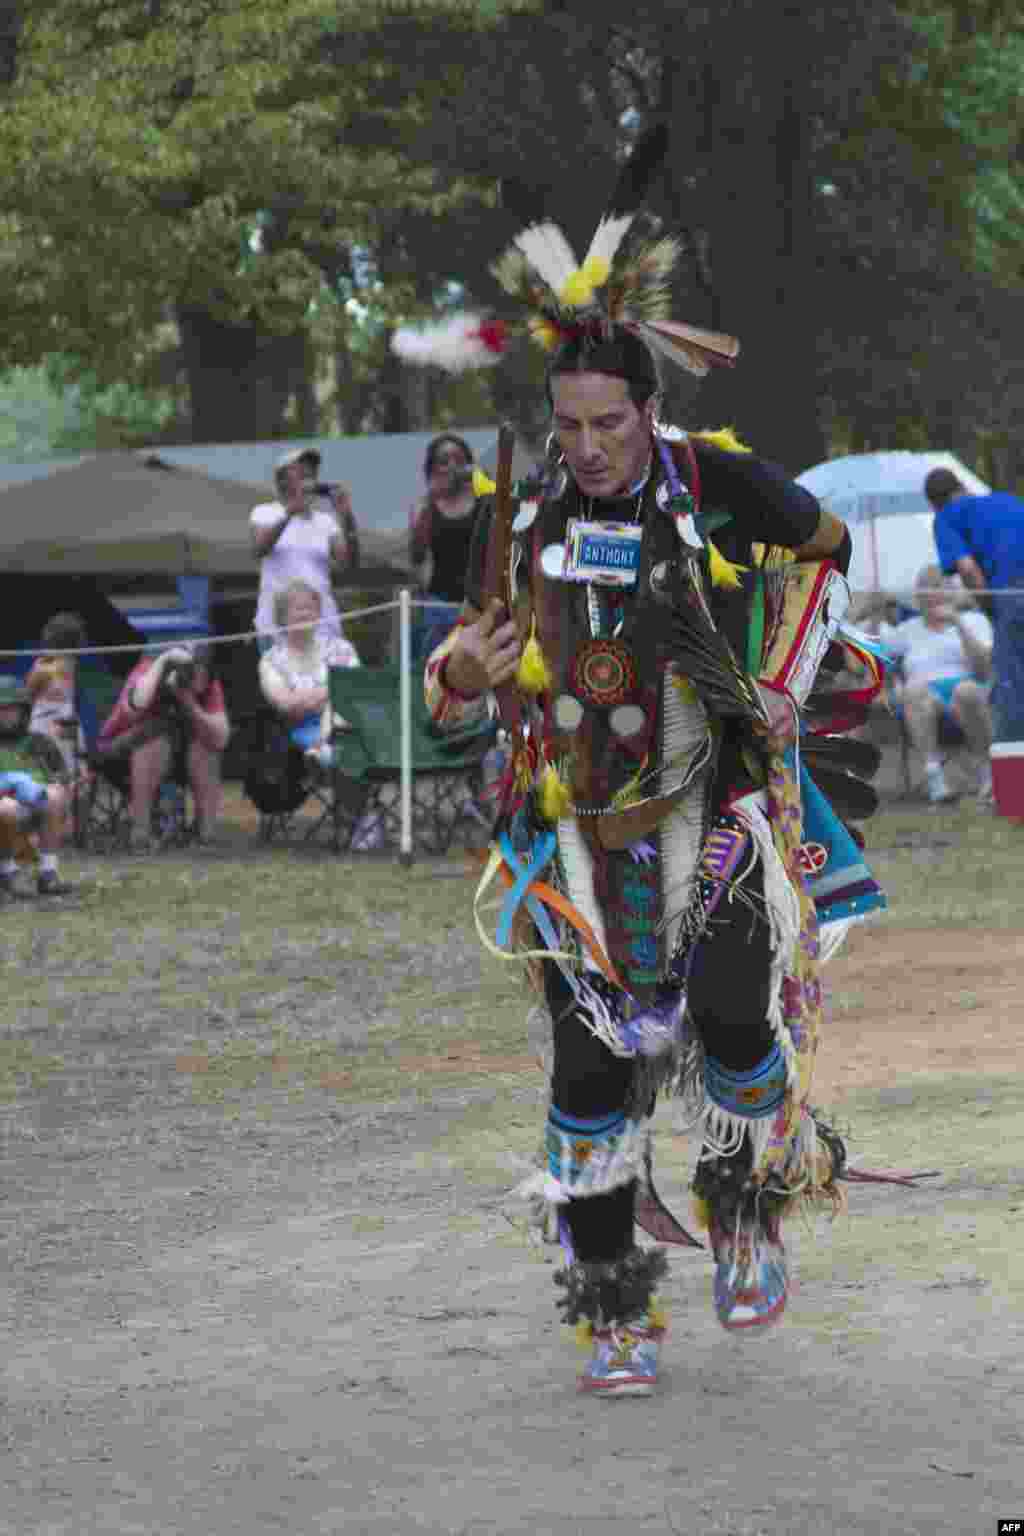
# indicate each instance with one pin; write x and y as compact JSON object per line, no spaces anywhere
{"x":814,"y":598}
{"x":449,"y":708}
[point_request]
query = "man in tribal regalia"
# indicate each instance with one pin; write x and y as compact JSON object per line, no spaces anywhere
{"x":653,"y":680}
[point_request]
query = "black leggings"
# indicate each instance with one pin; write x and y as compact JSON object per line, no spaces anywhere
{"x":727,"y":996}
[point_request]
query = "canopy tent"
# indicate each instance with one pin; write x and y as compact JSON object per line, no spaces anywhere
{"x":26,"y":602}
{"x":871,"y":489}
{"x":127,"y":513}
{"x":382,"y":470}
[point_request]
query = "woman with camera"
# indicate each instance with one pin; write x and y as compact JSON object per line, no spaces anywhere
{"x":171,"y":718}
{"x":442,"y":526}
{"x":308,"y":535}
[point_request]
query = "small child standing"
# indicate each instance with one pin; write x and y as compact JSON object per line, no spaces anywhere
{"x":52,"y":684}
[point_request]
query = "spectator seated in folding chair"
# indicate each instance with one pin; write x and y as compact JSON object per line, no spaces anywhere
{"x":367,"y":759}
{"x":293,"y":680}
{"x":171,"y":722}
{"x":944,"y":654}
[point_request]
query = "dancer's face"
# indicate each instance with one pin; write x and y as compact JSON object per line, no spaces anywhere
{"x":606,"y":439}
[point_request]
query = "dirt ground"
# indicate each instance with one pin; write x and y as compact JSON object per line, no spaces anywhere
{"x":329,"y":1318}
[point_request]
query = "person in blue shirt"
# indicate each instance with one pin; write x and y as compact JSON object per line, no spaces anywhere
{"x":982,"y":537}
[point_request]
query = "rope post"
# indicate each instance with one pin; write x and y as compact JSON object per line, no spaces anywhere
{"x":405,"y":713}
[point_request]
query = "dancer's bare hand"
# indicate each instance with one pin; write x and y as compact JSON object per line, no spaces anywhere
{"x":486,"y":653}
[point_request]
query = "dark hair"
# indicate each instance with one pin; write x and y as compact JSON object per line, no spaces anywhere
{"x":436,"y":444}
{"x":941,"y":485}
{"x":63,"y":632}
{"x":620,"y":354}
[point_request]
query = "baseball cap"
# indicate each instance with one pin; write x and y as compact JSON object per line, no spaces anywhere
{"x":296,"y":456}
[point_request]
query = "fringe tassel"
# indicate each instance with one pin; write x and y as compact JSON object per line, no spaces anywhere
{"x":554,"y":797}
{"x":600,"y":1019}
{"x":782,"y":911}
{"x":533,"y":675}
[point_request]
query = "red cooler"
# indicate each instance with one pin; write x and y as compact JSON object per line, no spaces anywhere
{"x":1008,"y":777}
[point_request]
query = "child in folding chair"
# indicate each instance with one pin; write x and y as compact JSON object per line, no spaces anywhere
{"x":32,"y":804}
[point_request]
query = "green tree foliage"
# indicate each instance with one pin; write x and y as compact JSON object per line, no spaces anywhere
{"x":282,"y":180}
{"x":194,"y":160}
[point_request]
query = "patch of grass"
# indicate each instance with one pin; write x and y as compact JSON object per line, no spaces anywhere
{"x":282,"y":971}
{"x":958,"y":865}
{"x":958,"y":1234}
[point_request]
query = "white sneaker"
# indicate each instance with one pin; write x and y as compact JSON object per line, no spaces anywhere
{"x":938,"y":790}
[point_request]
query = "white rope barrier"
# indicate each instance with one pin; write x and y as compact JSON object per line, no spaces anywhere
{"x":211,"y":641}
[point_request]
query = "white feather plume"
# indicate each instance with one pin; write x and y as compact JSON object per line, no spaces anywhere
{"x":608,"y":236}
{"x":453,"y":344}
{"x":549,"y":254}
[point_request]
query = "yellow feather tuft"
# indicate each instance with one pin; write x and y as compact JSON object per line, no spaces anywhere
{"x":685,"y":689}
{"x":584,"y":1333}
{"x":483,"y":485}
{"x":555,"y":797}
{"x":596,"y":270}
{"x":723,"y":572}
{"x":533,"y":675}
{"x":577,"y":291}
{"x":544,"y":333}
{"x":724,"y":438}
{"x":701,"y":1210}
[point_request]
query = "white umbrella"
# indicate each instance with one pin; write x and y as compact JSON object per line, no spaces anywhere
{"x":865,"y":488}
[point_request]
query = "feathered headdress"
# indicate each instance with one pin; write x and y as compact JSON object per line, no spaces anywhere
{"x":565,"y":300}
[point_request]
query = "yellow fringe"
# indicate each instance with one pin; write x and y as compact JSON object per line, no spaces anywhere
{"x":483,"y":485}
{"x":701,"y":1210}
{"x":533,"y":675}
{"x":724,"y":438}
{"x":555,"y":795}
{"x":723,"y":572}
{"x":685,"y":689}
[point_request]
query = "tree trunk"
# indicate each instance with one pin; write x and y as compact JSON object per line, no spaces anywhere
{"x":758,"y":212}
{"x":240,"y":380}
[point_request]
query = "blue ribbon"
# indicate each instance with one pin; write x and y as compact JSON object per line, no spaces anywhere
{"x":539,"y":856}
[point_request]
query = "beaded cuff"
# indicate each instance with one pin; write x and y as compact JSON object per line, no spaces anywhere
{"x":448,"y":708}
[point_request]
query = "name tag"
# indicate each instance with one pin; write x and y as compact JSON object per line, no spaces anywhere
{"x":605,"y":553}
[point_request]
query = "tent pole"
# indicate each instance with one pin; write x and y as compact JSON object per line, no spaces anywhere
{"x":405,"y":710}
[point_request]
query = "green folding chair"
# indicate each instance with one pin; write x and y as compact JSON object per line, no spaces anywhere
{"x":367,"y":762}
